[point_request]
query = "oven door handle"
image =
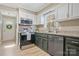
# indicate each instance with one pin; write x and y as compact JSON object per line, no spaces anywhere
{"x":75,"y":42}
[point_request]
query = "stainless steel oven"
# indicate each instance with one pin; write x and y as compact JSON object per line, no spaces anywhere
{"x":72,"y":47}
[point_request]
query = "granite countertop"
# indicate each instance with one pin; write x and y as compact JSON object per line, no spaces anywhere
{"x":71,"y":34}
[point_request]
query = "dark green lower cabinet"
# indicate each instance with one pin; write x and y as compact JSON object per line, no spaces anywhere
{"x":37,"y":41}
{"x":55,"y":45}
{"x":52,"y":44}
{"x":60,"y":46}
{"x":44,"y":44}
{"x":40,"y":42}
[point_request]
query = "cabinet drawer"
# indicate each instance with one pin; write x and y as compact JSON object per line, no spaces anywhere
{"x":44,"y":35}
{"x":44,"y":38}
{"x":37,"y":35}
{"x":50,"y":36}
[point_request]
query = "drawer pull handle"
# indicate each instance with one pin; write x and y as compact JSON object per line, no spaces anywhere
{"x":74,"y":42}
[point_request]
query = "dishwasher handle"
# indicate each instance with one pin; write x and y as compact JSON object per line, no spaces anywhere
{"x":75,"y":42}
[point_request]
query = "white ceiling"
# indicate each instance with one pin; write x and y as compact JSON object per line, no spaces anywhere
{"x":35,"y":7}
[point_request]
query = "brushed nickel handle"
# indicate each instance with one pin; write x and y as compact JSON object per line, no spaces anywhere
{"x":75,"y":42}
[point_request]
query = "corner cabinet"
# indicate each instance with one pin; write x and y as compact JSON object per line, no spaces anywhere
{"x":62,"y":12}
{"x":38,"y":40}
{"x":41,"y":41}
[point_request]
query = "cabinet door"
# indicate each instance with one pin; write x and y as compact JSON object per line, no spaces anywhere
{"x":36,"y":38}
{"x":42,"y":19}
{"x":55,"y":46}
{"x":51,"y":46}
{"x":62,"y":12}
{"x":75,"y":9}
{"x":38,"y":21}
{"x":44,"y":45}
{"x":40,"y":42}
{"x":70,"y":10}
{"x":36,"y":41}
{"x":60,"y":46}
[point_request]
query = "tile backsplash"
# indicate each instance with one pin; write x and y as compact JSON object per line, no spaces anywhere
{"x":69,"y":23}
{"x":69,"y":26}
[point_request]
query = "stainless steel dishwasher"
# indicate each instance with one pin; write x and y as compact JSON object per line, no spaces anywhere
{"x":72,"y":46}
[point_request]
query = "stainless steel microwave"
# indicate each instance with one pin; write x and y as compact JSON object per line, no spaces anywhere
{"x":26,"y":21}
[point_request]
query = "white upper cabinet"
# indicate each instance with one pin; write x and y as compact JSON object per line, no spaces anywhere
{"x":38,"y":19}
{"x":70,"y":10}
{"x":62,"y":12}
{"x":42,"y":19}
{"x":75,"y":9}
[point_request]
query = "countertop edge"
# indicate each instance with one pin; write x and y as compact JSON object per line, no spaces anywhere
{"x":64,"y":35}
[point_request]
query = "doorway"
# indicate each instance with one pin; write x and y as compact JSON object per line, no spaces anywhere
{"x":8,"y":29}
